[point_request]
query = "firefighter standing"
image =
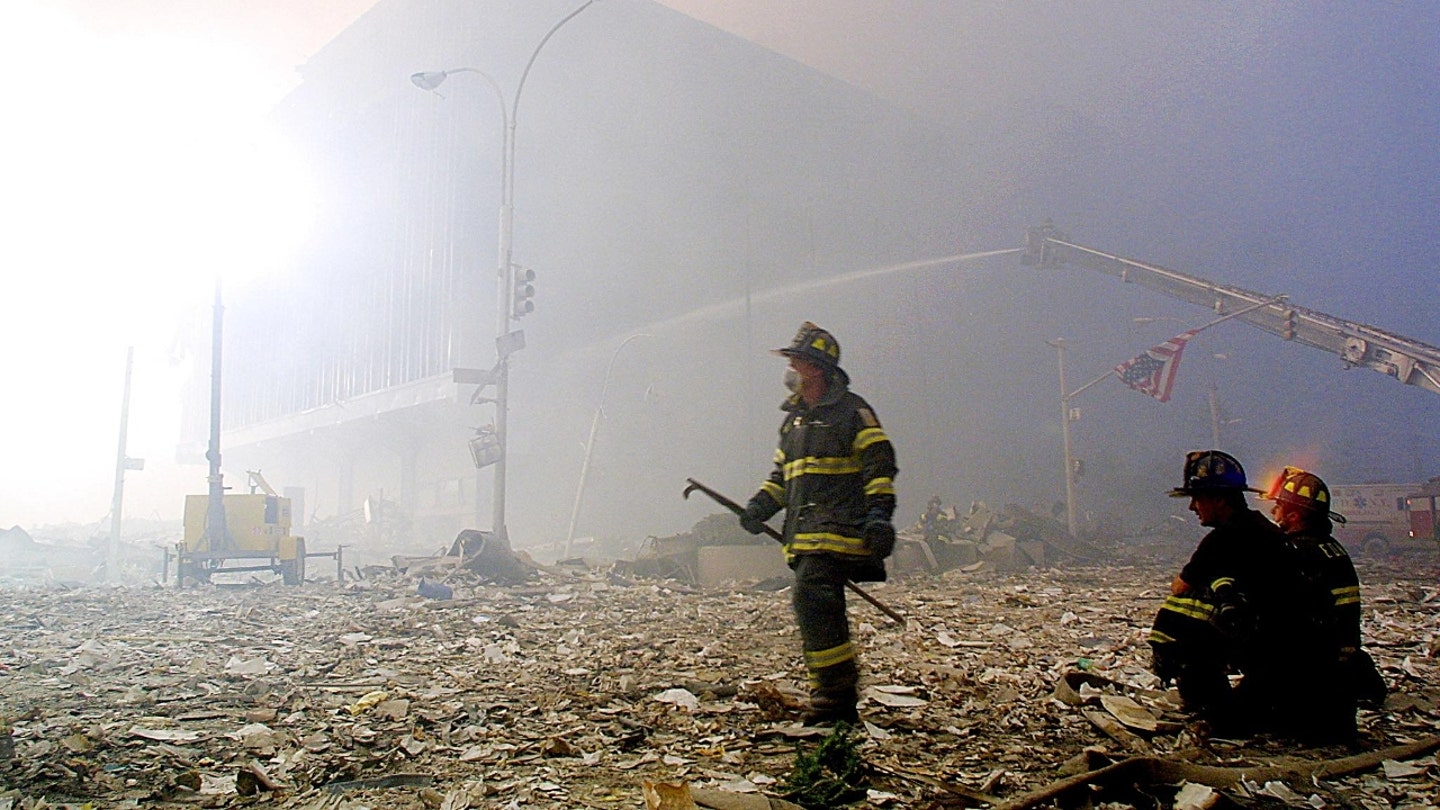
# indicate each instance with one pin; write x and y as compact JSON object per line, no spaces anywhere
{"x":1320,"y":706}
{"x":834,"y":475}
{"x":930,"y":520}
{"x":1222,"y":604}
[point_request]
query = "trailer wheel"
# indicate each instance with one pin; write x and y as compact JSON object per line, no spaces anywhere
{"x":1375,"y":545}
{"x":292,"y":572}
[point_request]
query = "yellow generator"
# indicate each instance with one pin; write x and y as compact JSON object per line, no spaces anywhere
{"x":256,"y":534}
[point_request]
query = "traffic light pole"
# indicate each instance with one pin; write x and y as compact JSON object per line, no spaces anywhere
{"x":506,"y":306}
{"x":503,"y":293}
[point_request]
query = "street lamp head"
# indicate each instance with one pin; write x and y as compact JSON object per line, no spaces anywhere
{"x":428,"y":79}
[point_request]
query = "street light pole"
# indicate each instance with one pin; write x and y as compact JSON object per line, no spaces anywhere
{"x":590,"y":443}
{"x":505,"y":282}
{"x":1059,"y":344}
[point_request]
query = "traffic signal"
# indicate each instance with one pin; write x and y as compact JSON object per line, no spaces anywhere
{"x":522,"y":292}
{"x":1288,"y":332}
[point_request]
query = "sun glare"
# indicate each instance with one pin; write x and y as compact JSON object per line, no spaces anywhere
{"x":141,"y":167}
{"x":136,"y":169}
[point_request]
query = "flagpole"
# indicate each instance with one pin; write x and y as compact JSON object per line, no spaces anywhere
{"x":1100,"y":379}
{"x":1066,"y":395}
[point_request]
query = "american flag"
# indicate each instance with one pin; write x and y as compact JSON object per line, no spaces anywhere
{"x":1153,"y":372}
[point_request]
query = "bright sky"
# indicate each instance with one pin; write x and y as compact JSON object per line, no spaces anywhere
{"x":135,"y":166}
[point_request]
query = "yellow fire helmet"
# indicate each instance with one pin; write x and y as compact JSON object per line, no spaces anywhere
{"x":1303,"y":489}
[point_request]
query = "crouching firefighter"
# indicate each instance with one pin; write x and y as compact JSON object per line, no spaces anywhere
{"x":1223,"y":603}
{"x":834,"y":475}
{"x":1319,"y":706}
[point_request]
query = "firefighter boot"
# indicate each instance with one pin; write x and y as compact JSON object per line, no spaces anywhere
{"x":833,"y":695}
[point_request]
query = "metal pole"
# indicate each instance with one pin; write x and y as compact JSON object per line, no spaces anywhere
{"x":112,"y":556}
{"x":507,"y":279}
{"x":502,"y":326}
{"x":590,"y":444}
{"x":1059,"y":344}
{"x":216,"y":533}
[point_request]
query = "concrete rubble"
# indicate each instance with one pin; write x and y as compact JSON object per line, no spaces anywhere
{"x":581,"y":686}
{"x":1012,"y":539}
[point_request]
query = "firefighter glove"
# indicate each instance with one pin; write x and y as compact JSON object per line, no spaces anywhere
{"x":879,"y":536}
{"x":1233,"y":615}
{"x":1234,"y":618}
{"x":753,"y":518}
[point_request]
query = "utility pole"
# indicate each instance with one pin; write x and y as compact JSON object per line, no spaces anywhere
{"x":122,"y":463}
{"x":1067,"y":415}
{"x":1059,"y":344}
{"x":216,"y":533}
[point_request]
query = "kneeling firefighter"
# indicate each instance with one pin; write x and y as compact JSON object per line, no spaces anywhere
{"x":1335,"y":673}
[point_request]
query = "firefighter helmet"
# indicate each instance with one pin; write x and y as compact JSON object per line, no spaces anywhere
{"x":1302,"y":489}
{"x":1209,"y":471}
{"x":814,"y":345}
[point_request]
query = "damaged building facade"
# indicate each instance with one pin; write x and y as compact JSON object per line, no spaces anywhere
{"x":670,"y":180}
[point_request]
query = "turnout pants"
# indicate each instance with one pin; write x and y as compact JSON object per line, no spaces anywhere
{"x":819,"y":602}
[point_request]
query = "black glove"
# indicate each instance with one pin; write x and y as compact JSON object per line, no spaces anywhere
{"x":1233,"y":616}
{"x":879,"y":537}
{"x":751,"y":519}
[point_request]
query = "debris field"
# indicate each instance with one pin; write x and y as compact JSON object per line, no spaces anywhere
{"x":596,"y":688}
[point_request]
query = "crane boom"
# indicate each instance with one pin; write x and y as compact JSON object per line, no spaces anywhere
{"x":1410,"y":361}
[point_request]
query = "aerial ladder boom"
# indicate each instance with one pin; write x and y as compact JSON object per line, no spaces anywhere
{"x":1408,"y":360}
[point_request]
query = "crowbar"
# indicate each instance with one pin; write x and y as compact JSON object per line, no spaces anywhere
{"x":740,"y":510}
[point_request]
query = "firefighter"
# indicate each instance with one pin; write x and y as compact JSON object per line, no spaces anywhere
{"x":930,"y":520}
{"x":834,"y":475}
{"x":1320,"y":707}
{"x":1214,"y":618}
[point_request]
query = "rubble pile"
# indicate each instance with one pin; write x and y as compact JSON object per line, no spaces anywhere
{"x":1008,"y":540}
{"x":715,"y":550}
{"x":594,"y":688}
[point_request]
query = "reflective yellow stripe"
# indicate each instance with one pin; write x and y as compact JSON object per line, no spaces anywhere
{"x":1159,"y":637}
{"x":1193,"y":608}
{"x":1221,"y":582}
{"x":821,"y":659}
{"x":814,"y":465}
{"x":869,"y":436}
{"x":826,"y":541}
{"x":779,"y":457}
{"x":880,"y":486}
{"x":1349,"y":595}
{"x":833,"y":466}
{"x":774,"y":490}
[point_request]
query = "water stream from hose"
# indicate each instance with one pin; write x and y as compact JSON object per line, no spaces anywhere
{"x":716,"y":310}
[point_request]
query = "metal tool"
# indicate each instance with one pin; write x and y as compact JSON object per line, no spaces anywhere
{"x":738,"y":509}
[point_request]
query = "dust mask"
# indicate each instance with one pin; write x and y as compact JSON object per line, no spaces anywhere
{"x":792,"y":380}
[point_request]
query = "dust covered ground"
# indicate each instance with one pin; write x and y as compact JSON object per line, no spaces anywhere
{"x":576,"y":689}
